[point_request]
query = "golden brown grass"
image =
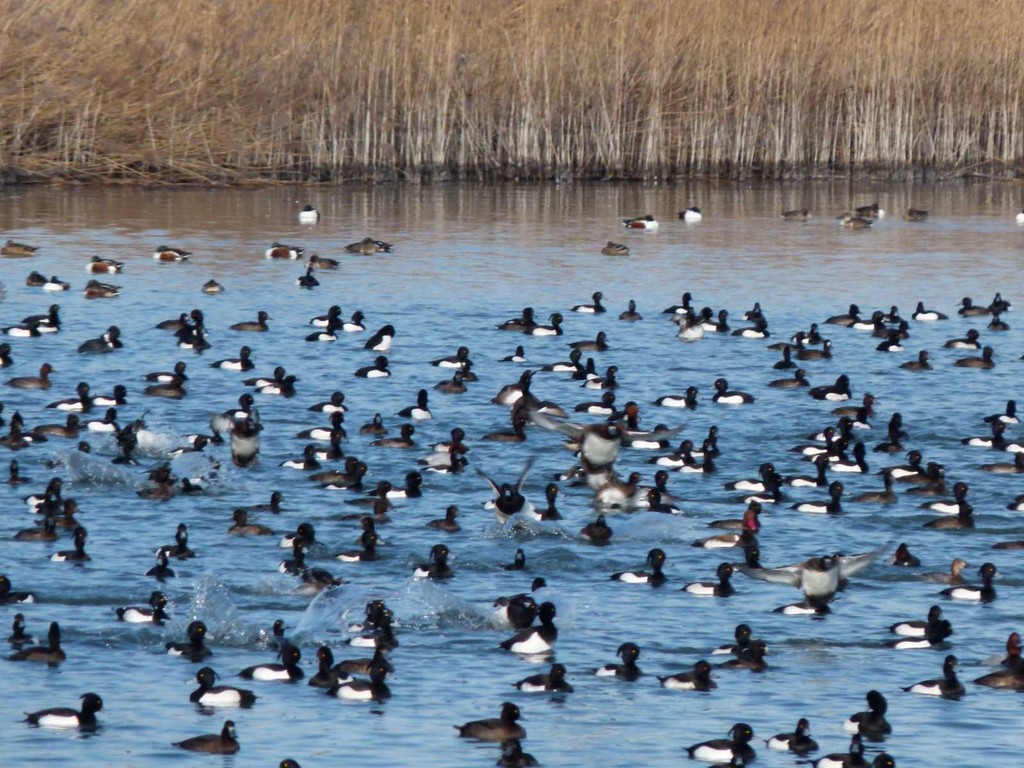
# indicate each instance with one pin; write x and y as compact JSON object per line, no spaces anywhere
{"x":205,"y":91}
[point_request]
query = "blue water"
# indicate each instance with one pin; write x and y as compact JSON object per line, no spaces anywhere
{"x":467,"y":257}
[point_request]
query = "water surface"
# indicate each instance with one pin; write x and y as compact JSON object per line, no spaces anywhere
{"x":467,"y":257}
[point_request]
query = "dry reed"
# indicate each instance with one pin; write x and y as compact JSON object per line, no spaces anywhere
{"x":209,"y":92}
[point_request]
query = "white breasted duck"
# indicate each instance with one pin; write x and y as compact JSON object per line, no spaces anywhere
{"x":984,"y":593}
{"x":946,"y":687}
{"x":378,"y":370}
{"x":63,"y":717}
{"x":724,"y":396}
{"x":640,"y":222}
{"x":698,"y":679}
{"x":192,"y":649}
{"x":210,"y":695}
{"x":381,"y":340}
{"x":153,"y":614}
{"x":536,"y":640}
{"x":798,"y":742}
{"x":596,"y":308}
{"x":288,"y":670}
{"x":166,"y":253}
{"x":722,"y":588}
{"x":656,"y":559}
{"x":628,"y":669}
{"x":871,"y":724}
{"x":725,"y":750}
{"x":552,"y":681}
{"x":284,"y":251}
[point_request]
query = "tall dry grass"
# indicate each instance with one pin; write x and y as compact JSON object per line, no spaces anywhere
{"x":228,"y":90}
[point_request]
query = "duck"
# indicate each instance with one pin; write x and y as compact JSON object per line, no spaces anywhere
{"x":798,"y":742}
{"x":799,"y":214}
{"x":161,"y":570}
{"x":368,"y":247}
{"x":210,"y":695}
{"x":381,"y":340}
{"x":167,"y":253}
{"x":656,"y":559}
{"x":870,"y":723}
{"x":258,"y":325}
{"x":615,"y":249}
{"x":211,"y":287}
{"x":969,"y":309}
{"x":153,"y":614}
{"x":499,"y":729}
{"x":518,"y":356}
{"x":223,"y":743}
{"x":552,"y":681}
{"x":82,"y":403}
{"x":927,"y":315}
{"x":51,"y":653}
{"x":179,"y":549}
{"x":904,"y":558}
{"x":722,"y":588}
{"x":725,"y":750}
{"x":535,"y":640}
{"x":920,"y":364}
{"x":608,"y":381}
{"x":964,"y":519}
{"x":48,"y":531}
{"x":837,"y":392}
{"x":103,"y":344}
{"x":64,"y":717}
{"x":640,"y":222}
{"x":5,"y":355}
{"x":985,"y":361}
{"x":284,"y":251}
{"x":15,"y":250}
{"x":420,"y":411}
{"x":854,"y":758}
{"x":309,"y":215}
{"x":948,"y":687}
{"x":76,"y":555}
{"x":438,"y":567}
{"x":321,"y":262}
{"x":18,"y":636}
{"x":308,"y":281}
{"x":849,"y":221}
{"x":241,"y":363}
{"x":7,"y":596}
{"x":818,"y":577}
{"x":404,"y":439}
{"x":591,"y":309}
{"x":628,"y":669}
{"x":686,"y":400}
{"x":287,"y":671}
{"x":921,"y":634}
{"x":374,"y":689}
{"x":1012,"y":675}
{"x":858,"y":465}
{"x":724,"y":396}
{"x":915,"y":214}
{"x":192,"y":649}
{"x":597,"y":532}
{"x":554,"y":329}
{"x":378,"y":370}
{"x":697,"y":679}
{"x":448,"y":523}
{"x":984,"y":593}
{"x":750,"y":658}
{"x":598,"y":344}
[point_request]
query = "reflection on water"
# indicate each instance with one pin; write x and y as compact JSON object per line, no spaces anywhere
{"x":466,"y":258}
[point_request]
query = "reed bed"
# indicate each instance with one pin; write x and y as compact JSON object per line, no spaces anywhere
{"x":211,"y":92}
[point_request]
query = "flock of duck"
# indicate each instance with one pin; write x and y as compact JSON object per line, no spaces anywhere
{"x":604,"y":434}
